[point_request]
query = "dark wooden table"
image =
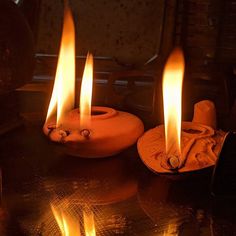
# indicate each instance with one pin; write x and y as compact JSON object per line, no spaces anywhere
{"x":125,"y":197}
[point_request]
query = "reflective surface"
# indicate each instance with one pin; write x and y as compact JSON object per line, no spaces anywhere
{"x":124,"y":196}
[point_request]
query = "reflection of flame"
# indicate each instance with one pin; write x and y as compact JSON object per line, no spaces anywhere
{"x":172,"y":96}
{"x":68,"y":226}
{"x":172,"y":229}
{"x":89,"y":225}
{"x":86,"y":93}
{"x":62,"y":99}
{"x":71,"y":227}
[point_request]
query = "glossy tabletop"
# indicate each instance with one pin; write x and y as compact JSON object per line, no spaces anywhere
{"x":125,"y":198}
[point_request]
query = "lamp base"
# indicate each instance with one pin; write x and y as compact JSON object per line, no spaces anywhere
{"x":110,"y":132}
{"x":201,"y":146}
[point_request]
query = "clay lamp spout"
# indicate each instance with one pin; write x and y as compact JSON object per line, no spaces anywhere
{"x":85,"y":131}
{"x":180,"y":146}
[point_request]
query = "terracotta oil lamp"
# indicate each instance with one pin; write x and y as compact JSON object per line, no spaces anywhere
{"x":86,"y":131}
{"x":180,"y":146}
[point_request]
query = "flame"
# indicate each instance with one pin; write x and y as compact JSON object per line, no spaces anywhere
{"x":67,"y":225}
{"x":62,"y":99}
{"x":89,"y":225}
{"x":86,"y":93}
{"x":172,"y":99}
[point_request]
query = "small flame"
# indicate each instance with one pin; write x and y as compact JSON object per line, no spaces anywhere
{"x":86,"y":93}
{"x":62,"y":99}
{"x":89,"y":225}
{"x":67,"y":225}
{"x":172,"y":98}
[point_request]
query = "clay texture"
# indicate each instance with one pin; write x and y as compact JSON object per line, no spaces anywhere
{"x":201,"y":146}
{"x":205,"y":113}
{"x":110,"y":132}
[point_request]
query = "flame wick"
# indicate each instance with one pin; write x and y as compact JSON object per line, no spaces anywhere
{"x":172,"y":99}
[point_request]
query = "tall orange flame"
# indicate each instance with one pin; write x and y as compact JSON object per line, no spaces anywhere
{"x":172,"y":99}
{"x":62,"y":99}
{"x":86,"y":93}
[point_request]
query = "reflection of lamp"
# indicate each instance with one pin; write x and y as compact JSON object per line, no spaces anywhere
{"x":175,"y":205}
{"x":97,"y":184}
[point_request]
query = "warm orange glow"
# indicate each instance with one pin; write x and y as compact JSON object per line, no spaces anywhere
{"x":172,"y":229}
{"x":86,"y":93}
{"x":89,"y":225}
{"x":172,"y":98}
{"x":67,"y":225}
{"x":62,"y":99}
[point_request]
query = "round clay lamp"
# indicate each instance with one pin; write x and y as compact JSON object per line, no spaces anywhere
{"x":111,"y":132}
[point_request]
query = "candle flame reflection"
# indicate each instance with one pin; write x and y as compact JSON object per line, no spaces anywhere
{"x":172,"y":99}
{"x":67,"y":225}
{"x":70,"y":226}
{"x":172,"y":229}
{"x":89,"y":225}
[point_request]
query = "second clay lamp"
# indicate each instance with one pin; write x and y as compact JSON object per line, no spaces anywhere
{"x":180,"y":146}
